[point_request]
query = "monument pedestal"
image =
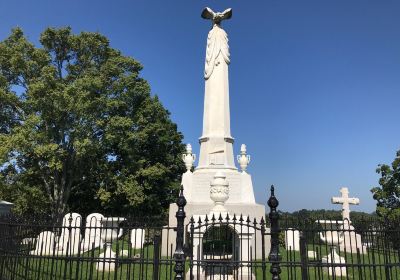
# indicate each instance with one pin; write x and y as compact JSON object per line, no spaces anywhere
{"x":197,"y":186}
{"x":197,"y":193}
{"x":352,"y":241}
{"x":243,"y":236}
{"x":253,"y":211}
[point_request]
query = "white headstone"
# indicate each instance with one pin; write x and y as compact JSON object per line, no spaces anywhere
{"x":292,"y":239}
{"x":110,"y":230}
{"x":92,"y":237}
{"x":332,"y":235}
{"x":44,"y":244}
{"x":312,"y":254}
{"x":137,"y":238}
{"x":70,"y":237}
{"x":107,"y":261}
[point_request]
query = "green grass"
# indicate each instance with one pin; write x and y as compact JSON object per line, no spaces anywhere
{"x":357,"y":266}
{"x":84,"y":266}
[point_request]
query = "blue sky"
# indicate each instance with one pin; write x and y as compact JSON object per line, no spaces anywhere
{"x":314,"y":85}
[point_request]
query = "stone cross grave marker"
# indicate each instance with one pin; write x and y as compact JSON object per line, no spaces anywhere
{"x":345,"y":200}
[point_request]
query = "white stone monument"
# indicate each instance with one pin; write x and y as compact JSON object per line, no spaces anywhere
{"x":109,"y":234}
{"x":219,"y":194}
{"x":216,"y":142}
{"x":351,"y":240}
{"x":70,"y":237}
{"x":44,"y":244}
{"x":92,"y":237}
{"x":69,"y":241}
{"x":332,"y":234}
{"x":345,"y":200}
{"x":292,"y":239}
{"x":137,"y":238}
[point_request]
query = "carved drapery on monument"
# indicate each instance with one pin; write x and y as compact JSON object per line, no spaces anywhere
{"x":217,"y":41}
{"x":216,"y":141}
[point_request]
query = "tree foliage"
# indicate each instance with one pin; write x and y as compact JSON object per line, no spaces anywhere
{"x":322,"y":214}
{"x":387,"y":195}
{"x":79,"y":129}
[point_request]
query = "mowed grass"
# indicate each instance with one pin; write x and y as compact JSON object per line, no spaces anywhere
{"x":358,"y":266}
{"x":84,"y":266}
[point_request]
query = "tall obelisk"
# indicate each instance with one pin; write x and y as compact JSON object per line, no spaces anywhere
{"x":216,"y":142}
{"x":216,"y":161}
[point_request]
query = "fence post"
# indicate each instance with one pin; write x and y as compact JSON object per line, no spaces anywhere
{"x":263,"y":265}
{"x":179,"y":255}
{"x":386,"y":252}
{"x":303,"y":257}
{"x":156,"y":256}
{"x":274,"y":256}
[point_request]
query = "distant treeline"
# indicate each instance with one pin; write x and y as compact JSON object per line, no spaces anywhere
{"x":360,"y":220}
{"x":320,"y":214}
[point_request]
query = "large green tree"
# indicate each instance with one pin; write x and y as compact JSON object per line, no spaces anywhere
{"x":387,"y":195}
{"x":79,"y":129}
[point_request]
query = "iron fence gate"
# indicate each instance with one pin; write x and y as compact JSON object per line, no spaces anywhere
{"x":227,"y":247}
{"x":223,"y":246}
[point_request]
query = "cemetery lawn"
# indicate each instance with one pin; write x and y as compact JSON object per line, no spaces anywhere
{"x":363,"y":266}
{"x":84,"y":267}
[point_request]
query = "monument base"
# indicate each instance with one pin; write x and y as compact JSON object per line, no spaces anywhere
{"x":253,"y":211}
{"x":334,"y":262}
{"x":352,"y":241}
{"x":197,"y":186}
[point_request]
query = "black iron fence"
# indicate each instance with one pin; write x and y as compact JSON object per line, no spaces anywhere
{"x":332,"y":249}
{"x":213,"y":246}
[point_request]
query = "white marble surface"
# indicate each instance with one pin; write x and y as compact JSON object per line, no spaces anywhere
{"x":216,"y":141}
{"x":92,"y":239}
{"x":345,"y":201}
{"x":44,"y":244}
{"x":70,"y":237}
{"x":137,"y":238}
{"x":292,"y":239}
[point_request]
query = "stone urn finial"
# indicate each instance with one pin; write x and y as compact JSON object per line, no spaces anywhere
{"x":219,"y":192}
{"x":243,"y":159}
{"x":188,"y":157}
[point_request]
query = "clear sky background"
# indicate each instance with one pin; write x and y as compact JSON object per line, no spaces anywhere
{"x":314,"y":85}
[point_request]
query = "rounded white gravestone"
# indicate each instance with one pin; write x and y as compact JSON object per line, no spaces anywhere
{"x":109,"y":234}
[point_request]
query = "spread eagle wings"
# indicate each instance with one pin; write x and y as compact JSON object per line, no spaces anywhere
{"x":210,"y":14}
